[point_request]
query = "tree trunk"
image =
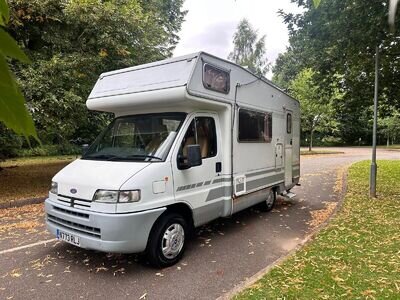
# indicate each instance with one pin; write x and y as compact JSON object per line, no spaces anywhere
{"x":311,"y":136}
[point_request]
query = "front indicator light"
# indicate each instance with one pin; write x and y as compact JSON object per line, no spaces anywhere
{"x":54,"y":188}
{"x":129,"y":196}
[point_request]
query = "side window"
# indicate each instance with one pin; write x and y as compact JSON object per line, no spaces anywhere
{"x":201,"y":131}
{"x":254,"y":126}
{"x":289,"y":123}
{"x":268,"y":128}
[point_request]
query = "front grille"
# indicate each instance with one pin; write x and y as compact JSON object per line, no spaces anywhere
{"x":70,"y":212}
{"x":74,"y":202}
{"x":84,"y":229}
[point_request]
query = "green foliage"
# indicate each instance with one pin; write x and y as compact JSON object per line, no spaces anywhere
{"x":316,"y":3}
{"x":50,"y":150}
{"x":248,"y":50}
{"x":316,"y":108}
{"x":71,"y":42}
{"x":4,"y":13}
{"x":355,"y":257}
{"x":390,"y":128}
{"x":338,"y":42}
{"x":10,"y":48}
{"x":13,"y":112}
{"x":9,"y":143}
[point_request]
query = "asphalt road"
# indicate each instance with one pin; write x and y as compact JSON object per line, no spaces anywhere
{"x":221,"y":255}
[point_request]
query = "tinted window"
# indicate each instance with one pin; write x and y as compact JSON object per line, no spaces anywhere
{"x":255,"y":126}
{"x":289,"y":123}
{"x":215,"y":79}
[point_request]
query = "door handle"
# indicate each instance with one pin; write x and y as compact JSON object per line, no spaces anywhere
{"x":218,"y":167}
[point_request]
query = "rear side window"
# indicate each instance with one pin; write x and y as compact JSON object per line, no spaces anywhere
{"x":255,"y":126}
{"x":215,"y":79}
{"x":289,"y":123}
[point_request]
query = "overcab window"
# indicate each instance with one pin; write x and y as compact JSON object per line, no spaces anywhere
{"x":215,"y":79}
{"x":255,"y":126}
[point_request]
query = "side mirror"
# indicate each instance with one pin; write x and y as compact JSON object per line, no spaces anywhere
{"x":194,"y":156}
{"x":85,"y":148}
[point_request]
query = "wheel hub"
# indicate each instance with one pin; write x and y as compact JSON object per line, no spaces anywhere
{"x":173,"y":241}
{"x":270,"y":199}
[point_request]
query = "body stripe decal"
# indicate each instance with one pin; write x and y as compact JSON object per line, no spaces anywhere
{"x":227,"y":179}
{"x":250,"y":185}
{"x":260,"y":172}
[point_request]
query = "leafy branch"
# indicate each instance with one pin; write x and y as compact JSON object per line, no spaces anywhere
{"x":13,"y":112}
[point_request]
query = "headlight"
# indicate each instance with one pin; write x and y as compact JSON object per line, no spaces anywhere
{"x":106,"y":196}
{"x":54,"y":188}
{"x":116,"y":196}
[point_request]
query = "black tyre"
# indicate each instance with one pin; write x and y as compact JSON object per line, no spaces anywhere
{"x":167,"y":240}
{"x":269,"y":202}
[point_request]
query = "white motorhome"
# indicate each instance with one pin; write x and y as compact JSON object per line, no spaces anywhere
{"x":194,"y":138}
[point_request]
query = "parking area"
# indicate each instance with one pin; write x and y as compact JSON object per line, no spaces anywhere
{"x":220,"y":256}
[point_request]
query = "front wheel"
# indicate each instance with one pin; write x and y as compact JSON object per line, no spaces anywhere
{"x":269,"y":202}
{"x":167,"y":240}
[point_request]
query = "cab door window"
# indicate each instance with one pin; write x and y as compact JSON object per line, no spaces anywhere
{"x":201,"y":131}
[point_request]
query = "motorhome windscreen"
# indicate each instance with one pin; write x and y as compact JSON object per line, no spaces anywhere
{"x":137,"y":138}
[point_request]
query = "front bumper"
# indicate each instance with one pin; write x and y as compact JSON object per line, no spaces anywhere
{"x":121,"y":233}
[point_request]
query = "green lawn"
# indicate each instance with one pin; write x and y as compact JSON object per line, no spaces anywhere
{"x":25,"y":178}
{"x":357,"y":256}
{"x":317,"y":152}
{"x":392,"y":147}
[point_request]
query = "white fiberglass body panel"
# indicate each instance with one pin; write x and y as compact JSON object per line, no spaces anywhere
{"x":85,"y":177}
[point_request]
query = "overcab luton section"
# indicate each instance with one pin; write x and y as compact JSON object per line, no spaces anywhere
{"x":194,"y":138}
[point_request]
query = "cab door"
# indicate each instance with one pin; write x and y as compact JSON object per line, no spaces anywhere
{"x":200,"y":186}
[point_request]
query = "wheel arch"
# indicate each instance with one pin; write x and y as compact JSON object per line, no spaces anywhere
{"x":184,"y":210}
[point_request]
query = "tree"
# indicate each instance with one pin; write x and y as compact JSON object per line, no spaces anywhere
{"x":71,"y":42}
{"x":390,"y":127}
{"x":249,"y":51}
{"x":316,"y":108}
{"x":13,"y":112}
{"x":392,"y":13}
{"x":338,"y":41}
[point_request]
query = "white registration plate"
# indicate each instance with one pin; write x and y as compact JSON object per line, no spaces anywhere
{"x":70,"y":238}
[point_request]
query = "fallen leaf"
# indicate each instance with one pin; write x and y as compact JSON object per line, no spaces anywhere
{"x":16,"y":273}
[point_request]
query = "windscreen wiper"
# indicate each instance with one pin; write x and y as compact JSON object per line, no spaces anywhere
{"x":141,"y":156}
{"x":101,"y":156}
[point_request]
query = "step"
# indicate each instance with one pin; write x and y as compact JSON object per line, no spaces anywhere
{"x":289,"y":195}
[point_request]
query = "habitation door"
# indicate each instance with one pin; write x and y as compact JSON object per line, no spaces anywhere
{"x":288,"y":147}
{"x":200,"y":186}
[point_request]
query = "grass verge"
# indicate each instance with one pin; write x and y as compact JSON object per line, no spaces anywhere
{"x":357,"y":256}
{"x":25,"y":178}
{"x":393,"y":147}
{"x":318,"y":152}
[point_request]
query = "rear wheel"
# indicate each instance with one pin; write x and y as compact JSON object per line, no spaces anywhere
{"x":269,"y":202}
{"x":167,"y":240}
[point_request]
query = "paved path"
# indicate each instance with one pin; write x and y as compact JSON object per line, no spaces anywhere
{"x":223,"y":253}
